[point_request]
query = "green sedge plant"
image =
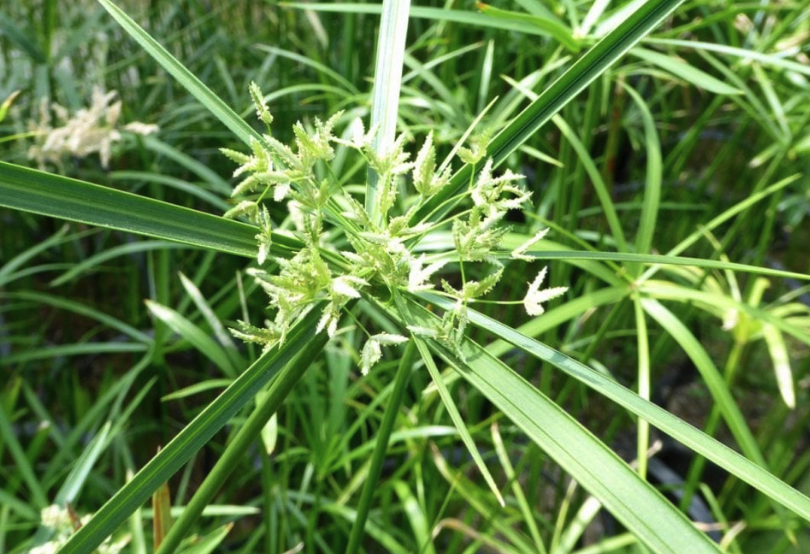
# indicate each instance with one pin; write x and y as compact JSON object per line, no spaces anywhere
{"x":422,"y":238}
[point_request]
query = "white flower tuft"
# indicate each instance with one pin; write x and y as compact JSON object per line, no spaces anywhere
{"x":90,"y":130}
{"x":535,"y":297}
{"x":426,"y":332}
{"x":360,"y":140}
{"x":387,"y":339}
{"x":519,"y":253}
{"x":372,"y":351}
{"x":371,"y":355}
{"x":141,"y":128}
{"x":262,"y":112}
{"x":345,"y":285}
{"x":329,"y":322}
{"x":418,"y":275}
{"x":54,"y":516}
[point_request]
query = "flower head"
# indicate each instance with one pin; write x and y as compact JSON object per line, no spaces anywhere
{"x":346,"y":250}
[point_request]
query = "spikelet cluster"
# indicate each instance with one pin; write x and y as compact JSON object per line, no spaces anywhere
{"x":379,"y":250}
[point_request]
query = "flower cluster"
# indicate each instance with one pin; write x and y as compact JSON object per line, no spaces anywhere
{"x":89,"y":130}
{"x":378,"y":249}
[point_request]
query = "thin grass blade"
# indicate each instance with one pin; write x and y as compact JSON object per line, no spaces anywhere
{"x":684,"y":71}
{"x":198,"y":338}
{"x":189,"y":81}
{"x":248,"y":434}
{"x":458,"y":421}
{"x":652,"y":188}
{"x":64,"y":198}
{"x":108,"y":254}
{"x":387,"y":85}
{"x":634,"y":502}
{"x":548,"y":25}
{"x":691,"y":437}
{"x":193,"y":437}
{"x":380,"y":448}
{"x":23,"y":466}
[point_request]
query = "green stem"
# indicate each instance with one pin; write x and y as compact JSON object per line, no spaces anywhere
{"x":229,"y":461}
{"x":381,"y":447}
{"x":643,"y":426}
{"x":699,"y":463}
{"x":387,"y":85}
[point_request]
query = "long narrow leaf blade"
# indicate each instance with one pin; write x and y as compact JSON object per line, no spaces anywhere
{"x":657,"y":259}
{"x":711,"y":376}
{"x":189,"y":81}
{"x":191,"y":439}
{"x":96,"y":260}
{"x":64,"y":198}
{"x":198,"y":338}
{"x":584,"y":71}
{"x":652,"y":188}
{"x":691,"y":437}
{"x":387,"y":85}
{"x":464,"y":17}
{"x":247,"y":435}
{"x":23,"y":466}
{"x":549,"y":25}
{"x":633,"y":501}
{"x":450,"y":406}
{"x":685,"y":71}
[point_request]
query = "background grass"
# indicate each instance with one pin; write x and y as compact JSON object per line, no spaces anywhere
{"x":647,"y":156}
